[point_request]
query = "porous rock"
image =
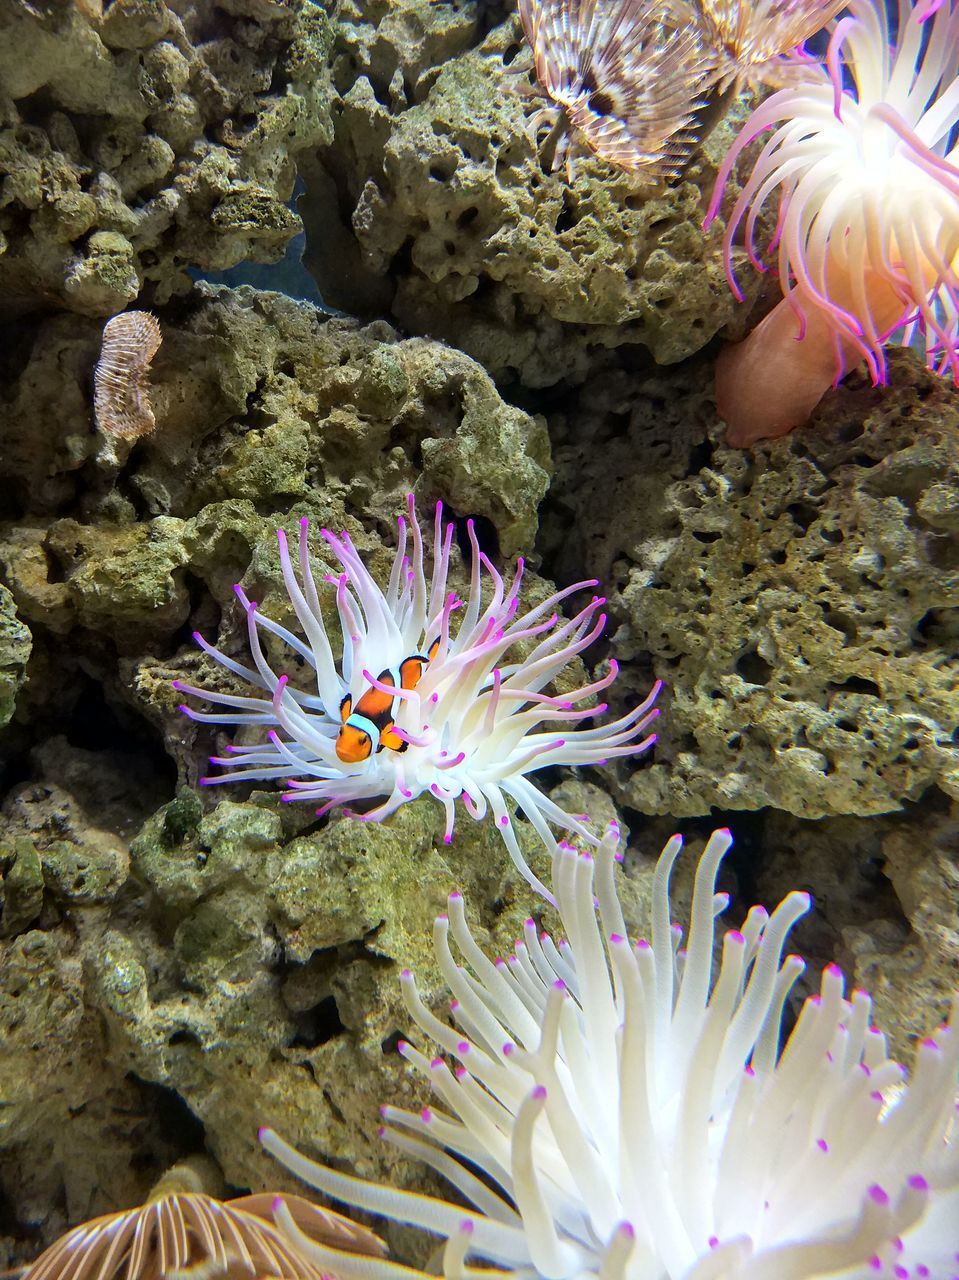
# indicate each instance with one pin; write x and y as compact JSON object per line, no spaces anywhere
{"x":208,"y":969}
{"x":78,"y":1135}
{"x":265,"y":400}
{"x":267,"y":411}
{"x":192,"y":120}
{"x":241,"y":970}
{"x":15,"y":645}
{"x":799,"y":599}
{"x":922,"y":865}
{"x":459,"y":226}
{"x":884,"y":905}
{"x":245,"y":971}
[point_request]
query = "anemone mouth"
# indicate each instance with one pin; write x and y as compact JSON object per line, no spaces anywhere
{"x":191,"y":1234}
{"x":865,"y":164}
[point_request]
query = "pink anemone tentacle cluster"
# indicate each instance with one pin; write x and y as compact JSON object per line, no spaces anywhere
{"x":865,"y":160}
{"x":479,"y":721}
{"x":610,"y":1110}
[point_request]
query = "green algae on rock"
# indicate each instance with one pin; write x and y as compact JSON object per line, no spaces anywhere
{"x":799,"y":601}
{"x":470,"y":237}
{"x":246,"y":971}
{"x":260,"y":398}
{"x":289,"y":945}
{"x":15,"y":645}
{"x":266,"y":411}
{"x":78,"y":1133}
{"x":920,"y":862}
{"x":21,"y":886}
{"x":136,"y":144}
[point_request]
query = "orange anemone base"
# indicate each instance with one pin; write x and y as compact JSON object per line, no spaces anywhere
{"x":771,"y":382}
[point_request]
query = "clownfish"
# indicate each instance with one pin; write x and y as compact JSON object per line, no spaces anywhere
{"x":368,"y":727}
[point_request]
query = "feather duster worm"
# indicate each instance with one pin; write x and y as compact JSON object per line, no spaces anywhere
{"x":759,"y":42}
{"x":181,"y":1231}
{"x":868,"y":228}
{"x":121,"y":396}
{"x":622,"y":78}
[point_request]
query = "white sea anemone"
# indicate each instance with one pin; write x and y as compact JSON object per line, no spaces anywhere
{"x":619,"y":1112}
{"x":473,"y":726}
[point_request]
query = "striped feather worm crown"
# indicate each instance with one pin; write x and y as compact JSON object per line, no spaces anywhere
{"x":424,"y":692}
{"x":121,"y":388}
{"x":611,"y":1110}
{"x":183,"y":1232}
{"x":628,"y":79}
{"x":622,"y":79}
{"x":760,"y":42}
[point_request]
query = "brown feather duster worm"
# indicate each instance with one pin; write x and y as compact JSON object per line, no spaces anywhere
{"x":760,"y":42}
{"x":121,"y":389}
{"x":623,"y":79}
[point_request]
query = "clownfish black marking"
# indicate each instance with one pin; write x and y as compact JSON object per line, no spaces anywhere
{"x":368,"y":727}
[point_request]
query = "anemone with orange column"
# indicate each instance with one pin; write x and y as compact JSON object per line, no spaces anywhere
{"x":864,"y":157}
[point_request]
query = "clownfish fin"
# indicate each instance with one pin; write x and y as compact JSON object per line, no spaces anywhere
{"x":411,"y":671}
{"x":346,"y":707}
{"x":433,"y":650}
{"x":390,"y":738}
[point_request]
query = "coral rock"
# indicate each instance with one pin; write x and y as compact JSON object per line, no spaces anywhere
{"x":456,"y":215}
{"x":15,"y":644}
{"x":188,"y":155}
{"x":800,"y":601}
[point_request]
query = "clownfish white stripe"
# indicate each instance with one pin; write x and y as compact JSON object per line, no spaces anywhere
{"x":363,"y":724}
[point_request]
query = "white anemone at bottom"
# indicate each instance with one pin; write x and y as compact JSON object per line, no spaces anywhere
{"x":622,"y":1109}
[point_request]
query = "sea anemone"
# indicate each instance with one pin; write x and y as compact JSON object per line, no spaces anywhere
{"x":182,"y":1230}
{"x":868,"y":226}
{"x":618,"y":1112}
{"x":622,"y":79}
{"x":418,"y":704}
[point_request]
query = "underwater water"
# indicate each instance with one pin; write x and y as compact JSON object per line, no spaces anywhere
{"x":448,"y":447}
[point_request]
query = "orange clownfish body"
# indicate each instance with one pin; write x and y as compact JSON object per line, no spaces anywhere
{"x":368,"y":727}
